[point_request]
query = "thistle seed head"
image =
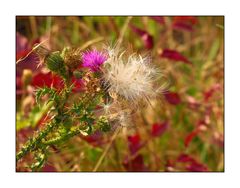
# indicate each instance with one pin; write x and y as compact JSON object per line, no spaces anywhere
{"x":132,"y":78}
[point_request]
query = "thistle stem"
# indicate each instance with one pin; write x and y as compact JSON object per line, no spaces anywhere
{"x":60,"y":139}
{"x":34,"y":143}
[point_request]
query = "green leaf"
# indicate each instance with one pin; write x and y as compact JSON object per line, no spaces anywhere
{"x":40,"y":158}
{"x":53,"y":96}
{"x":93,"y":154}
{"x":214,"y":49}
{"x":192,"y":91}
{"x":34,"y":116}
{"x":220,"y":26}
{"x":21,"y":122}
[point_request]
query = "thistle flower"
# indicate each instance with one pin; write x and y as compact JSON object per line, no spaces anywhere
{"x":133,"y":79}
{"x":93,"y":60}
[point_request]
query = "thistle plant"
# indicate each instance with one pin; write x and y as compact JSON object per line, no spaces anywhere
{"x":112,"y":84}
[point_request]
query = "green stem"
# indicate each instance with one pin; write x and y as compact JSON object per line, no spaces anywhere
{"x":60,"y":139}
{"x":34,"y":143}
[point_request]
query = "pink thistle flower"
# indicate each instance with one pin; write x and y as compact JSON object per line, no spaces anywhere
{"x":93,"y":60}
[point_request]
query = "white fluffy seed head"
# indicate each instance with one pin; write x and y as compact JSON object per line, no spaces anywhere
{"x":133,"y":78}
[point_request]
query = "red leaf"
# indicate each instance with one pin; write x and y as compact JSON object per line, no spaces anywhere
{"x":25,"y":59}
{"x":190,"y":137}
{"x":22,"y":54}
{"x":48,"y":80}
{"x":187,"y":19}
{"x":95,"y":139}
{"x":191,"y":164}
{"x":209,"y":93}
{"x":174,"y":55}
{"x":30,"y":62}
{"x":182,"y":26}
{"x":24,"y":134}
{"x":22,"y":49}
{"x":146,"y":37}
{"x":134,"y":143}
{"x":196,"y":167}
{"x":135,"y":164}
{"x":53,"y":80}
{"x":158,"y":19}
{"x":185,"y":158}
{"x":159,"y":128}
{"x":184,"y":22}
{"x":172,"y":97}
{"x":21,"y":45}
{"x":49,"y":168}
{"x":78,"y":85}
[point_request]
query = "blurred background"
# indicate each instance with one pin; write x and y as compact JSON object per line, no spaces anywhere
{"x":185,"y":129}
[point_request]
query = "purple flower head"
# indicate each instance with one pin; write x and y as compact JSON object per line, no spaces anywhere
{"x":93,"y":60}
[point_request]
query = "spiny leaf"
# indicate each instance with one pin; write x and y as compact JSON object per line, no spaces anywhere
{"x":53,"y":96}
{"x":40,"y":160}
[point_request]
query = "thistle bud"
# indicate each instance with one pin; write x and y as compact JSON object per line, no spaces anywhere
{"x":54,"y":62}
{"x":26,"y":77}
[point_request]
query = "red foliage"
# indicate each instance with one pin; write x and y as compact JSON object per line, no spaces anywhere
{"x":190,"y":137}
{"x":78,"y":85}
{"x":191,"y":164}
{"x":174,"y":55}
{"x":159,"y":128}
{"x":196,"y":167}
{"x":209,"y":93}
{"x":135,"y":164}
{"x":200,"y":126}
{"x":173,"y":98}
{"x":23,"y":47}
{"x":95,"y":139}
{"x":184,"y":158}
{"x":182,"y":26}
{"x":24,"y":133}
{"x":145,"y":36}
{"x":134,"y":143}
{"x":184,"y":23}
{"x":53,"y":80}
{"x":158,"y":19}
{"x":48,"y":80}
{"x":188,"y":19}
{"x":49,"y":168}
{"x":29,"y":62}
